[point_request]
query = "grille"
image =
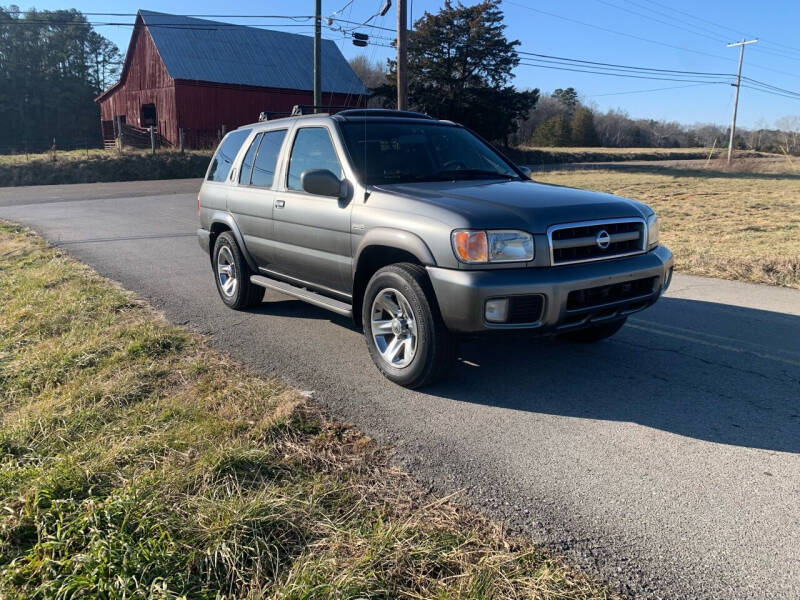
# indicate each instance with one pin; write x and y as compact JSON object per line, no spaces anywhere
{"x":525,"y":309}
{"x":606,"y":294}
{"x":578,"y":242}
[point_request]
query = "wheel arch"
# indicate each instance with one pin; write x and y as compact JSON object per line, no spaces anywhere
{"x":379,"y":248}
{"x":221,"y":222}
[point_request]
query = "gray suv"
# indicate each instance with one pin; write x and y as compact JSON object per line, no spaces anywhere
{"x":421,"y":232}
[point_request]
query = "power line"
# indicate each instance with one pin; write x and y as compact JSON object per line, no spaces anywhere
{"x":627,"y":75}
{"x":640,"y":38}
{"x":659,"y":89}
{"x":591,"y":62}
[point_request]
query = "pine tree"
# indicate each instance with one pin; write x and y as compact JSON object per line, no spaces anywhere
{"x":583,"y":132}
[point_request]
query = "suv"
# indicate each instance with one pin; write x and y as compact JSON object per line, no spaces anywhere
{"x":422,"y":233}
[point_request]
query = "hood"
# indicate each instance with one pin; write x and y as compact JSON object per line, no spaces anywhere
{"x":517,"y":204}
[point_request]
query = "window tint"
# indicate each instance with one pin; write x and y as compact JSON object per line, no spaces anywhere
{"x":313,"y":149}
{"x":267,"y":158}
{"x":247,"y":163}
{"x":223,"y":159}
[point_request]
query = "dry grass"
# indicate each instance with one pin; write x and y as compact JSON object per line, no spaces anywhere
{"x":135,"y":462}
{"x":80,"y":166}
{"x":533,"y":156}
{"x":731,"y":224}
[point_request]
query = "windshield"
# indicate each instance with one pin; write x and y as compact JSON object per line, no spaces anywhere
{"x":386,"y":152}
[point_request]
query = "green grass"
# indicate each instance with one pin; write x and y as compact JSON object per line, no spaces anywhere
{"x":80,"y":166}
{"x":135,"y":462}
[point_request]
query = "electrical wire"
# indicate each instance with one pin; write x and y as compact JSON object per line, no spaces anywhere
{"x":659,"y":89}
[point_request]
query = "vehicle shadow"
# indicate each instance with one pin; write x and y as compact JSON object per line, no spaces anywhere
{"x":704,"y":370}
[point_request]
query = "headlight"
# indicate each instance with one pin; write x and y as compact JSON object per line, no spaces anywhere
{"x":492,"y":246}
{"x":652,"y":231}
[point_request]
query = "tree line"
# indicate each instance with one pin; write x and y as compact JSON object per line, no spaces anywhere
{"x":52,"y":66}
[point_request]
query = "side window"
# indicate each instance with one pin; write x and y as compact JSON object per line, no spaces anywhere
{"x":267,"y":158}
{"x":247,"y":163}
{"x":223,"y":158}
{"x":313,"y":149}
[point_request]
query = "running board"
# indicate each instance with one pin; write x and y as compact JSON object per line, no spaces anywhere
{"x":340,"y":308}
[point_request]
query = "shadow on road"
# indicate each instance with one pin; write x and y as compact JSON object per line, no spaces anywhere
{"x":705,"y":370}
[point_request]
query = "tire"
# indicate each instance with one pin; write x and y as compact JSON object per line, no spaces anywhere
{"x":232,"y":274}
{"x":424,"y":349}
{"x":595,"y":333}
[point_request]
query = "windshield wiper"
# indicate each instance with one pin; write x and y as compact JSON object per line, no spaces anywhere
{"x":456,"y":174}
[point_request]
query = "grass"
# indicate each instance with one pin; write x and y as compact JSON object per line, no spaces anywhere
{"x":81,"y":166}
{"x":135,"y":462}
{"x":735,"y":224}
{"x":533,"y":156}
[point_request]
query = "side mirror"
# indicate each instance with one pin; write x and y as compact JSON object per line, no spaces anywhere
{"x":322,"y":182}
{"x":525,"y":170}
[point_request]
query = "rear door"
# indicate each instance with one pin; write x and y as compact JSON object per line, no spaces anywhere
{"x":312,"y":233}
{"x":251,"y":200}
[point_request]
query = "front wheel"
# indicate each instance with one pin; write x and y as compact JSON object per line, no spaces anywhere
{"x":405,"y":334}
{"x":595,"y":333}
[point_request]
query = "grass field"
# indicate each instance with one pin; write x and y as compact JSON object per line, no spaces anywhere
{"x":80,"y":166}
{"x":137,"y":463}
{"x":733,"y":225}
{"x":533,"y":156}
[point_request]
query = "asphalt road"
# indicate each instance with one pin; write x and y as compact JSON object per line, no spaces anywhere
{"x":665,"y":460}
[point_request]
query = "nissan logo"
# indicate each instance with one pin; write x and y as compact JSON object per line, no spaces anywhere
{"x":602,"y":239}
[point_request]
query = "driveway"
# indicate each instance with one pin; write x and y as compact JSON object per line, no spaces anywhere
{"x":665,"y":460}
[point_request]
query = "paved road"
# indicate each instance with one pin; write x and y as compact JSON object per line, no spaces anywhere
{"x":666,"y":460}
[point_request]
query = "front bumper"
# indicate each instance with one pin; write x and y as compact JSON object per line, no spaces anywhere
{"x":462,"y":294}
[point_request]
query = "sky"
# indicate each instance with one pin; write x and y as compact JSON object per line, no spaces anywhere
{"x":658,"y":34}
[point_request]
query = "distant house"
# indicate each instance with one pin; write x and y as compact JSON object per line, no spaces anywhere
{"x":202,"y":76}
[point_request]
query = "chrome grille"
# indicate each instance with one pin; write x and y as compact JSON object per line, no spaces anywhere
{"x":596,"y":240}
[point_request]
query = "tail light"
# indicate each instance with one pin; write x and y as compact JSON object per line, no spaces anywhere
{"x":198,"y":204}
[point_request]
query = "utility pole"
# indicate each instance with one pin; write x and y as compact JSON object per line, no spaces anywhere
{"x":737,"y":85}
{"x":402,"y":56}
{"x":317,"y":55}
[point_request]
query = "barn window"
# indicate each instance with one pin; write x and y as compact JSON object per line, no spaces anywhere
{"x":147,"y":116}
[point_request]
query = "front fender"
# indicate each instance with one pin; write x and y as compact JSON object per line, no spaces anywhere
{"x":396,"y":238}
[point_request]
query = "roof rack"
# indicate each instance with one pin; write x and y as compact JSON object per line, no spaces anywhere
{"x":383,"y":112}
{"x":301,"y":109}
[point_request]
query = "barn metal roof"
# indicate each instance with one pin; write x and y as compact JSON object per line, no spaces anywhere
{"x":202,"y":50}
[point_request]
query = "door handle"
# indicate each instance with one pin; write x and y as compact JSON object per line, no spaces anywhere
{"x":280,"y":203}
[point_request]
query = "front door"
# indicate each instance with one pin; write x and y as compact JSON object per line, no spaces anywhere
{"x":312,"y":233}
{"x":251,"y":201}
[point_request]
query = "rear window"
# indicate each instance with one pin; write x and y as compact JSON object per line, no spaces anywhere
{"x":223,"y":158}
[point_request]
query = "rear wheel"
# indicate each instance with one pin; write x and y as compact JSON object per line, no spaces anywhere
{"x":595,"y":333}
{"x":405,"y":334}
{"x":232,"y":274}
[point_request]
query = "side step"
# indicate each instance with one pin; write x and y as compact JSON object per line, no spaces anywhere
{"x":340,"y":308}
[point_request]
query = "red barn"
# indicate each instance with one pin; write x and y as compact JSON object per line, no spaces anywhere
{"x":201,"y":76}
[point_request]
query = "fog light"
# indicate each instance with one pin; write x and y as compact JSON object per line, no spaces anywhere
{"x":497,"y":310}
{"x":667,"y":281}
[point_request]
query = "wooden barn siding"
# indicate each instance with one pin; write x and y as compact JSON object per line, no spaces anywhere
{"x":204,"y":107}
{"x":145,"y":81}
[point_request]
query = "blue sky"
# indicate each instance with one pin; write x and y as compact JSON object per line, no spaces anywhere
{"x":628,"y":32}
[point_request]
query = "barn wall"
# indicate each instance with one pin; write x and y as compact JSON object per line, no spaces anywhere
{"x":203,"y":108}
{"x":145,"y":81}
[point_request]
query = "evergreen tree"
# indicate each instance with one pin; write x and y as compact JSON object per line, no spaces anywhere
{"x":583,"y":132}
{"x":460,"y":64}
{"x":553,"y":132}
{"x":52,"y":66}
